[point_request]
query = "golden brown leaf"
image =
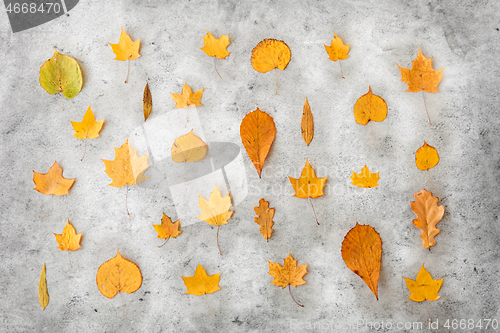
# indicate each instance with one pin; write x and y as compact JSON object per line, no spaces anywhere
{"x":428,"y":215}
{"x":270,"y":54}
{"x":88,"y":128}
{"x":187,"y":98}
{"x":69,"y":240}
{"x":257,"y":131}
{"x":126,"y":49}
{"x":365,"y":179}
{"x":362,"y":253}
{"x":369,"y":107}
{"x":127,"y":168}
{"x":337,"y":50}
{"x":188,"y":148}
{"x":147,"y":102}
{"x":201,"y":283}
{"x":43,"y":293}
{"x":288,"y":274}
{"x":52,"y":182}
{"x":426,"y":157}
{"x":265,"y":218}
{"x":167,"y":228}
{"x":307,"y":124}
{"x":421,"y":76}
{"x":308,"y":185}
{"x":216,"y":47}
{"x":118,"y":274}
{"x":424,"y":287}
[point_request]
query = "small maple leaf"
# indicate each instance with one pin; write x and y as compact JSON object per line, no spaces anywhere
{"x":61,"y":74}
{"x":126,"y":49}
{"x":365,"y":179}
{"x":362,"y":253}
{"x":308,"y":185}
{"x":307,"y":124}
{"x":201,"y":283}
{"x":271,"y":54}
{"x":216,"y":47}
{"x":187,"y":98}
{"x":167,"y":228}
{"x":43,"y":293}
{"x":428,"y":215}
{"x":337,"y":50}
{"x":424,"y":287}
{"x":188,"y":148}
{"x":215,"y":211}
{"x":53,"y":181}
{"x":288,"y":275}
{"x":265,"y":218}
{"x":257,"y":132}
{"x":69,"y":240}
{"x":88,"y":128}
{"x":421,"y":76}
{"x":147,"y":102}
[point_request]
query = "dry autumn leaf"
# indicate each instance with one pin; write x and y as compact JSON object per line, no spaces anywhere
{"x":201,"y":283}
{"x":424,"y":287}
{"x":118,"y":274}
{"x":308,"y":185}
{"x":288,"y":275}
{"x":265,"y":218}
{"x":365,"y":179}
{"x":337,"y":51}
{"x":88,"y":128}
{"x":271,"y":54}
{"x":426,"y":157}
{"x":127,"y":168}
{"x":421,"y":76}
{"x":61,"y":74}
{"x":215,"y":211}
{"x":428,"y":215}
{"x":43,"y":294}
{"x":307,"y":124}
{"x":126,"y":49}
{"x":188,"y":148}
{"x":257,"y":132}
{"x":370,"y":107}
{"x":167,"y":228}
{"x":187,"y":98}
{"x":362,"y":253}
{"x":147,"y":102}
{"x":216,"y":47}
{"x":69,"y":240}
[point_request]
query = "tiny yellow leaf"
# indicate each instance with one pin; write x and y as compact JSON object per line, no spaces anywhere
{"x":88,"y":128}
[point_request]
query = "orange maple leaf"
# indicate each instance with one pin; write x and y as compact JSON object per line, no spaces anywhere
{"x":201,"y":283}
{"x":337,"y":51}
{"x":365,"y":179}
{"x":53,"y":181}
{"x":421,"y":76}
{"x":428,"y":215}
{"x":265,"y":218}
{"x":187,"y":98}
{"x":167,"y":229}
{"x":126,"y":49}
{"x":216,"y":47}
{"x":288,"y":275}
{"x":69,"y":240}
{"x":271,"y":54}
{"x":424,"y":287}
{"x":362,"y":253}
{"x":257,"y":132}
{"x":308,"y":185}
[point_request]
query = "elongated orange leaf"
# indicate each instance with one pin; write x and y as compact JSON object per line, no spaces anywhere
{"x":265,"y":218}
{"x":307,"y":124}
{"x":362,"y":253}
{"x":426,"y":157}
{"x":428,"y":215}
{"x":147,"y":102}
{"x":424,"y":287}
{"x":43,"y":293}
{"x":257,"y":131}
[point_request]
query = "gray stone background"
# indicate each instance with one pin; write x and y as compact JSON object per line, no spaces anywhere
{"x":462,"y":36}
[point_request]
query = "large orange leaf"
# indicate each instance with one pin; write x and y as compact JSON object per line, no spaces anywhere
{"x":426,"y":157}
{"x":188,"y":148}
{"x":428,"y":215}
{"x":69,"y":240}
{"x":127,"y":168}
{"x":257,"y":131}
{"x":264,"y":218}
{"x":307,"y":124}
{"x":308,"y":185}
{"x":52,"y":182}
{"x":188,"y":97}
{"x":362,"y":253}
{"x":424,"y":287}
{"x":118,"y":274}
{"x":421,"y":76}
{"x":288,"y":275}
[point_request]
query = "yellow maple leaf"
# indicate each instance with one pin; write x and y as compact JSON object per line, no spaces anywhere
{"x":126,"y":49}
{"x":421,"y":76}
{"x":201,"y":283}
{"x":288,"y":275}
{"x":424,"y":287}
{"x":188,"y":148}
{"x":308,"y":185}
{"x":167,"y":228}
{"x":187,"y":98}
{"x":118,"y":274}
{"x":52,"y":182}
{"x":88,"y":128}
{"x":216,"y":47}
{"x":69,"y":240}
{"x":365,"y":179}
{"x":428,"y":215}
{"x":337,"y":50}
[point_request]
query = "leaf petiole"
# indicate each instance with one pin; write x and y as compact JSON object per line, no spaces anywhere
{"x":290,"y":290}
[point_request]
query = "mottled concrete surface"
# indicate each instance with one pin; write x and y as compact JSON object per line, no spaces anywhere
{"x":462,"y":36}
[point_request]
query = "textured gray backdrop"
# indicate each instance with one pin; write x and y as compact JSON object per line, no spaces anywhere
{"x":462,"y":36}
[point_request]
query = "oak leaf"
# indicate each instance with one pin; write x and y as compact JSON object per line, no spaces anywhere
{"x":424,"y":287}
{"x":118,"y":274}
{"x":53,"y":181}
{"x":188,"y":148}
{"x":421,"y":76}
{"x":426,"y":157}
{"x":167,"y":228}
{"x":257,"y":132}
{"x":201,"y":283}
{"x":126,"y":49}
{"x":88,"y":128}
{"x":265,"y":218}
{"x":271,"y":54}
{"x":362,"y":253}
{"x":215,"y":211}
{"x":147,"y":102}
{"x":288,"y":275}
{"x":187,"y":98}
{"x":365,"y":179}
{"x":337,"y":50}
{"x":369,"y":107}
{"x":308,"y":185}
{"x":61,"y":74}
{"x":43,"y":294}
{"x":307,"y":124}
{"x":428,"y":215}
{"x":69,"y":240}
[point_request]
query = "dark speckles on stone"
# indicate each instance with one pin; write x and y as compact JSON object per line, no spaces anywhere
{"x":237,"y":321}
{"x":95,"y":310}
{"x":141,"y":299}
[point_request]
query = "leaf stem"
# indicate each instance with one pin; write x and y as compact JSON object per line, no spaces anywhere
{"x":85,"y":150}
{"x":128,"y":70}
{"x":429,"y":177}
{"x":428,"y":117}
{"x":314,"y":211}
{"x":121,"y":301}
{"x":276,"y":81}
{"x":126,"y":201}
{"x":341,"y":71}
{"x":165,"y":242}
{"x":216,"y":68}
{"x":51,"y":209}
{"x":62,"y":104}
{"x":208,"y":306}
{"x":218,"y":239}
{"x":290,"y":290}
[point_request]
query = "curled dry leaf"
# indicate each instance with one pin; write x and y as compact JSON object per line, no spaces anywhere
{"x":61,"y":74}
{"x":424,"y":287}
{"x":43,"y":293}
{"x":257,"y":131}
{"x":365,"y":179}
{"x":307,"y":124}
{"x":53,"y":181}
{"x":69,"y":240}
{"x":187,"y":98}
{"x":118,"y":274}
{"x":127,"y":168}
{"x":421,"y":76}
{"x":264,"y":218}
{"x":426,"y":157}
{"x":369,"y":107}
{"x":147,"y":102}
{"x":428,"y":215}
{"x":362,"y":253}
{"x":188,"y":148}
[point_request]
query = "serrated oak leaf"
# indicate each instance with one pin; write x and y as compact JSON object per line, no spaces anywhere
{"x":61,"y":74}
{"x":428,"y":215}
{"x":365,"y":179}
{"x":424,"y":287}
{"x":69,"y":240}
{"x":53,"y":181}
{"x":187,"y":98}
{"x":264,"y":218}
{"x":118,"y":274}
